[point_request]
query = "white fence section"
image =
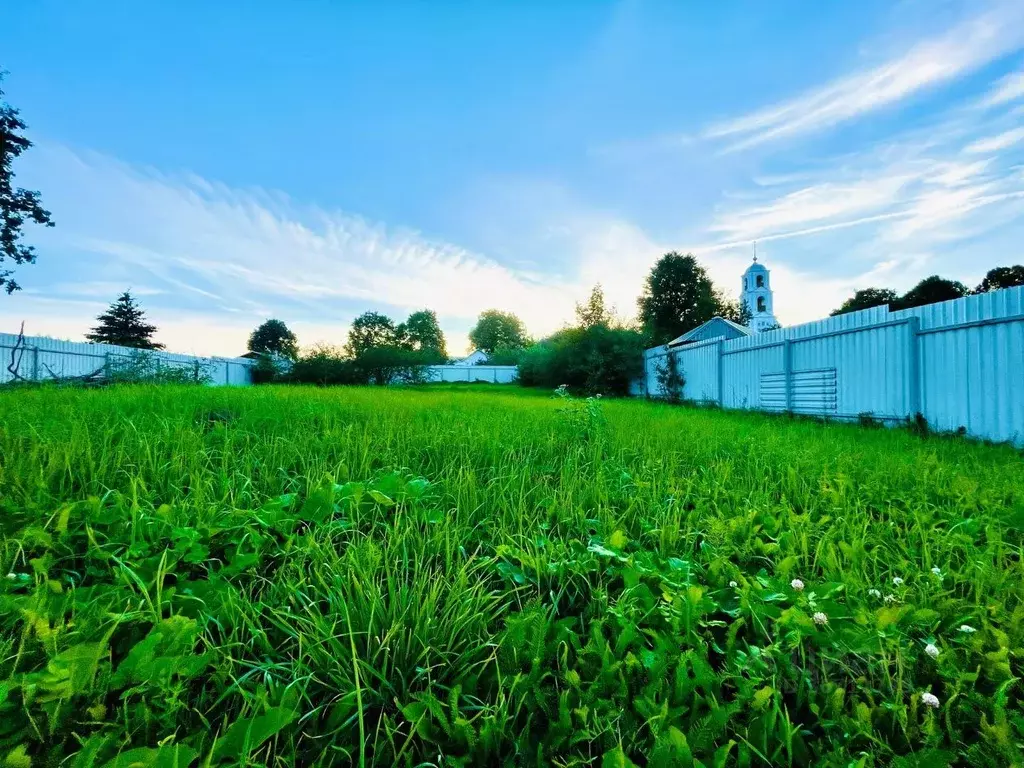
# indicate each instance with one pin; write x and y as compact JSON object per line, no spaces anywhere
{"x":958,"y":363}
{"x":45,"y":358}
{"x":493,"y":374}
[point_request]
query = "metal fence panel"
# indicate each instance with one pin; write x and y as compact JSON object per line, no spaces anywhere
{"x":491,"y":374}
{"x":44,"y":358}
{"x":959,"y":363}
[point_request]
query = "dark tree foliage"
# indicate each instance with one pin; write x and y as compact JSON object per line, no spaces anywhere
{"x":369,"y":330}
{"x":124,"y":324}
{"x":594,"y":312}
{"x":868,"y":298}
{"x":274,"y":337}
{"x":678,"y":296}
{"x":504,"y":356}
{"x":391,"y":364}
{"x":932,"y":290}
{"x":324,"y":366}
{"x":1002,"y":277}
{"x":737,"y":311}
{"x":16,"y":205}
{"x":421,"y":333}
{"x":595,"y":360}
{"x":496,"y":329}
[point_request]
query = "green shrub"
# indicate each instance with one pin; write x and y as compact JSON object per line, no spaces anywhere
{"x":594,"y":360}
{"x":324,"y":366}
{"x":329,"y":366}
{"x":505,"y":356}
{"x":670,"y":378}
{"x":144,"y":367}
{"x":393,"y":365}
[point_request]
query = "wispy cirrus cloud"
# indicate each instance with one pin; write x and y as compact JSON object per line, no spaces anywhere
{"x":243,"y":255}
{"x":1009,"y":88}
{"x":996,"y":143}
{"x":961,"y":50}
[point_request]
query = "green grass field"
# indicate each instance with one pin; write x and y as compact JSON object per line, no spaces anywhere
{"x":487,"y":576}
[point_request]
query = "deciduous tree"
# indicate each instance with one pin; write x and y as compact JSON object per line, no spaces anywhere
{"x":593,"y":312}
{"x":422,"y":333}
{"x":868,"y":298}
{"x":369,"y":330}
{"x":678,"y":296}
{"x":498,"y":329}
{"x":932,"y":290}
{"x":274,"y":337}
{"x":16,"y":205}
{"x":1002,"y":277}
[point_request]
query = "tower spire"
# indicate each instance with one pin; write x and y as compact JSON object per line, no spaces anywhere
{"x":755,"y":251}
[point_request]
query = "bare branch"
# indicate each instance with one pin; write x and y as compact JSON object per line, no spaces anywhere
{"x":17,"y":353}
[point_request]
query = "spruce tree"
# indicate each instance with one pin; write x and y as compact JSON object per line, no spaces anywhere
{"x":124,"y":324}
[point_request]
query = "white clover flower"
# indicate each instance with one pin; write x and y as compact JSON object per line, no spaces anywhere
{"x":797,"y":585}
{"x":890,"y":598}
{"x":897,"y":581}
{"x":931,"y":650}
{"x":12,"y":577}
{"x":820,"y":618}
{"x":874,"y":593}
{"x":967,"y":629}
{"x":733,"y":584}
{"x":930,"y":700}
{"x":937,"y":571}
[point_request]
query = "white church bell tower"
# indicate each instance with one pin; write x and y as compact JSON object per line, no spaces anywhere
{"x":757,"y":295}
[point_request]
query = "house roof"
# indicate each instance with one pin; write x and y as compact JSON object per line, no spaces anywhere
{"x":712,"y":329}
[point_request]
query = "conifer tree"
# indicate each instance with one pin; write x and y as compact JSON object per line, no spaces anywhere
{"x":124,"y":324}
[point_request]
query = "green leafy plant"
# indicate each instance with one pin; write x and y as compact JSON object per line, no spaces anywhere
{"x":143,"y":367}
{"x":670,"y":378}
{"x":196,"y":576}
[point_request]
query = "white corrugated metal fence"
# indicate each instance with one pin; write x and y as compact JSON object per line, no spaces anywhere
{"x":958,"y":363}
{"x":493,"y":374}
{"x":45,"y":358}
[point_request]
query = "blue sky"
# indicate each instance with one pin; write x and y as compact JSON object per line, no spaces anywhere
{"x":234,"y":161}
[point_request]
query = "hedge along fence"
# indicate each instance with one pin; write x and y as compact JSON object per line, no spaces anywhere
{"x":38,"y":358}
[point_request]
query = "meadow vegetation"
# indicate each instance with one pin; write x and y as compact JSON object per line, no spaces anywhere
{"x":490,"y":576}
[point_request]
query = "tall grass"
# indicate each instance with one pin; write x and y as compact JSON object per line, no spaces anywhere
{"x":435,"y":577}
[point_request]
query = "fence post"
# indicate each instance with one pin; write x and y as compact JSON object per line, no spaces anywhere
{"x":106,"y":365}
{"x":35,"y":363}
{"x":721,"y":373}
{"x":787,"y":372}
{"x":914,"y":366}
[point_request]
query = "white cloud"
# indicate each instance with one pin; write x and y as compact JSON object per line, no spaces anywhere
{"x":1009,"y":88}
{"x":963,"y":49}
{"x":809,"y":205}
{"x":251,"y":253}
{"x":996,"y":143}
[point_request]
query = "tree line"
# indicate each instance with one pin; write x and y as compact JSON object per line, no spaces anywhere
{"x":598,"y":352}
{"x":931,"y":290}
